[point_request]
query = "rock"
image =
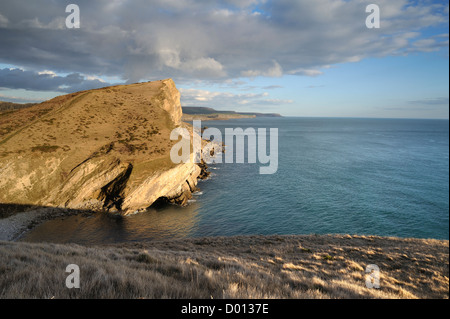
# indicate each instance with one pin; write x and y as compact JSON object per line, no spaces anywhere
{"x":204,"y":174}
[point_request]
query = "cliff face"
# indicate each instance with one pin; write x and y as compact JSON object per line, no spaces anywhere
{"x":105,"y":149}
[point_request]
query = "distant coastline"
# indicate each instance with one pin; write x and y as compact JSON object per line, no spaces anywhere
{"x":10,"y":106}
{"x":191,"y":113}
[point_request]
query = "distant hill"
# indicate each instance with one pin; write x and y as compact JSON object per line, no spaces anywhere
{"x":198,"y":110}
{"x":10,"y":106}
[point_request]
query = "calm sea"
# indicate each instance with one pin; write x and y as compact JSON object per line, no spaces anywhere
{"x":359,"y":176}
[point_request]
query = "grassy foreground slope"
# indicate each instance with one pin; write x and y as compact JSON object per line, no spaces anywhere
{"x":235,"y":267}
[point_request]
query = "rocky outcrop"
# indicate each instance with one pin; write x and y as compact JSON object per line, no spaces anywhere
{"x":105,"y":149}
{"x":169,"y":99}
{"x":174,"y":185}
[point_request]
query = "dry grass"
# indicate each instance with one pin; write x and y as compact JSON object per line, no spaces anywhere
{"x":11,"y":107}
{"x":236,"y":267}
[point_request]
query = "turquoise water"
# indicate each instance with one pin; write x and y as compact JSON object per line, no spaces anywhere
{"x":360,"y":176}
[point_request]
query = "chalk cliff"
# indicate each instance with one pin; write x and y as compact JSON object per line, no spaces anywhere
{"x":104,"y":149}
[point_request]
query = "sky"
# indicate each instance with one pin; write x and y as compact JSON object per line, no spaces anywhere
{"x":313,"y":58}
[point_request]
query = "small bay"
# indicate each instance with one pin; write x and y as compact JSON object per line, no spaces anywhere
{"x":387,"y":177}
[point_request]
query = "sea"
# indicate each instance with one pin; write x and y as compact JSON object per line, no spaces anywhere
{"x":385,"y":177}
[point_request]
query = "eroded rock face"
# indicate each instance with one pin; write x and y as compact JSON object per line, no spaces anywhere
{"x":175,"y":185}
{"x":169,"y":99}
{"x":105,"y":149}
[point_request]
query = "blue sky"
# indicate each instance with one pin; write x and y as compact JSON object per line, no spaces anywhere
{"x":294,"y":57}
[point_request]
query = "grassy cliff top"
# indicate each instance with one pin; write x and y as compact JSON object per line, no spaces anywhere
{"x":86,"y":122}
{"x":235,"y":267}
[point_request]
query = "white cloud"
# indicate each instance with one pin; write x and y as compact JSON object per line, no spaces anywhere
{"x":207,"y":66}
{"x":55,"y":24}
{"x":227,"y":100}
{"x":430,"y":44}
{"x":170,"y":58}
{"x":274,"y":71}
{"x":308,"y":72}
{"x":93,"y":78}
{"x":46,"y":72}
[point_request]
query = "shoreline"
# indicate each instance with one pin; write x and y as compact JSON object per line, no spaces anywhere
{"x":14,"y":227}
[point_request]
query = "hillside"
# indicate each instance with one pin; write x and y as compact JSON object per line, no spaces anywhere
{"x":236,"y":267}
{"x":10,"y":106}
{"x":100,"y":149}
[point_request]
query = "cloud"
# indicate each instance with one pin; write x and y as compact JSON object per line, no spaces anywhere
{"x":274,"y":71}
{"x":307,"y":72}
{"x":227,"y":100}
{"x":48,"y":81}
{"x":315,"y":86}
{"x":272,"y":87}
{"x":243,"y":3}
{"x":431,"y":101}
{"x":213,"y":40}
